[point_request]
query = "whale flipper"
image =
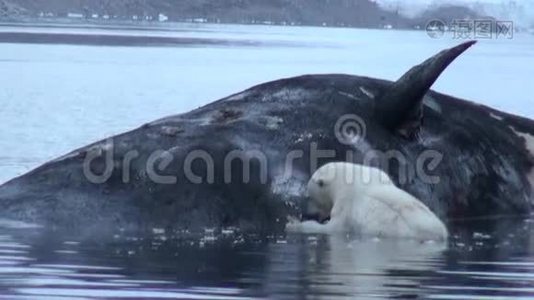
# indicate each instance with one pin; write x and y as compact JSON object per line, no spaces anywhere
{"x":400,"y":107}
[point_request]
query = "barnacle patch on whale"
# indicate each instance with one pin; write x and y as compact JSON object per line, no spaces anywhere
{"x":529,"y":145}
{"x":238,"y":96}
{"x":348,"y":95}
{"x":367,"y":92}
{"x":496,"y":117}
{"x":226,"y":115}
{"x":171,"y":131}
{"x":271,"y":122}
{"x":97,"y":149}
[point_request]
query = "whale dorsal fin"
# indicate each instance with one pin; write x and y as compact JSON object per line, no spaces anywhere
{"x":400,"y":107}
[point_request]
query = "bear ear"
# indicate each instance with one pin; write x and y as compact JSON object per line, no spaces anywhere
{"x":400,"y":108}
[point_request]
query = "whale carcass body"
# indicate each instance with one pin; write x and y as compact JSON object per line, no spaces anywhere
{"x":244,"y":161}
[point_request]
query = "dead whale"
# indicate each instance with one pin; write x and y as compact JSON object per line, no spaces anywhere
{"x":244,"y":160}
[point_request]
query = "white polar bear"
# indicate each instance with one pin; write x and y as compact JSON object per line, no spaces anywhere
{"x":365,"y":201}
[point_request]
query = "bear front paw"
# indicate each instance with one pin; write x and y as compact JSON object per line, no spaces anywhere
{"x":293,"y":224}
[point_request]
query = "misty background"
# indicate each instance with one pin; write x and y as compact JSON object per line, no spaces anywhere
{"x":389,"y":14}
{"x":519,"y":11}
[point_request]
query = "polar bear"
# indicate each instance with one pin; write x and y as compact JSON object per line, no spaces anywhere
{"x":365,"y":201}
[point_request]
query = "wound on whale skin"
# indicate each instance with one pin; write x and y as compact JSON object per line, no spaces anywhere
{"x":400,"y":107}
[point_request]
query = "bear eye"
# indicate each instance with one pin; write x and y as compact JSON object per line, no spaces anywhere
{"x":320,"y":183}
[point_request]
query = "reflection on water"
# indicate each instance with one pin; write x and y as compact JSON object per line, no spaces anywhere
{"x":477,"y":264}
